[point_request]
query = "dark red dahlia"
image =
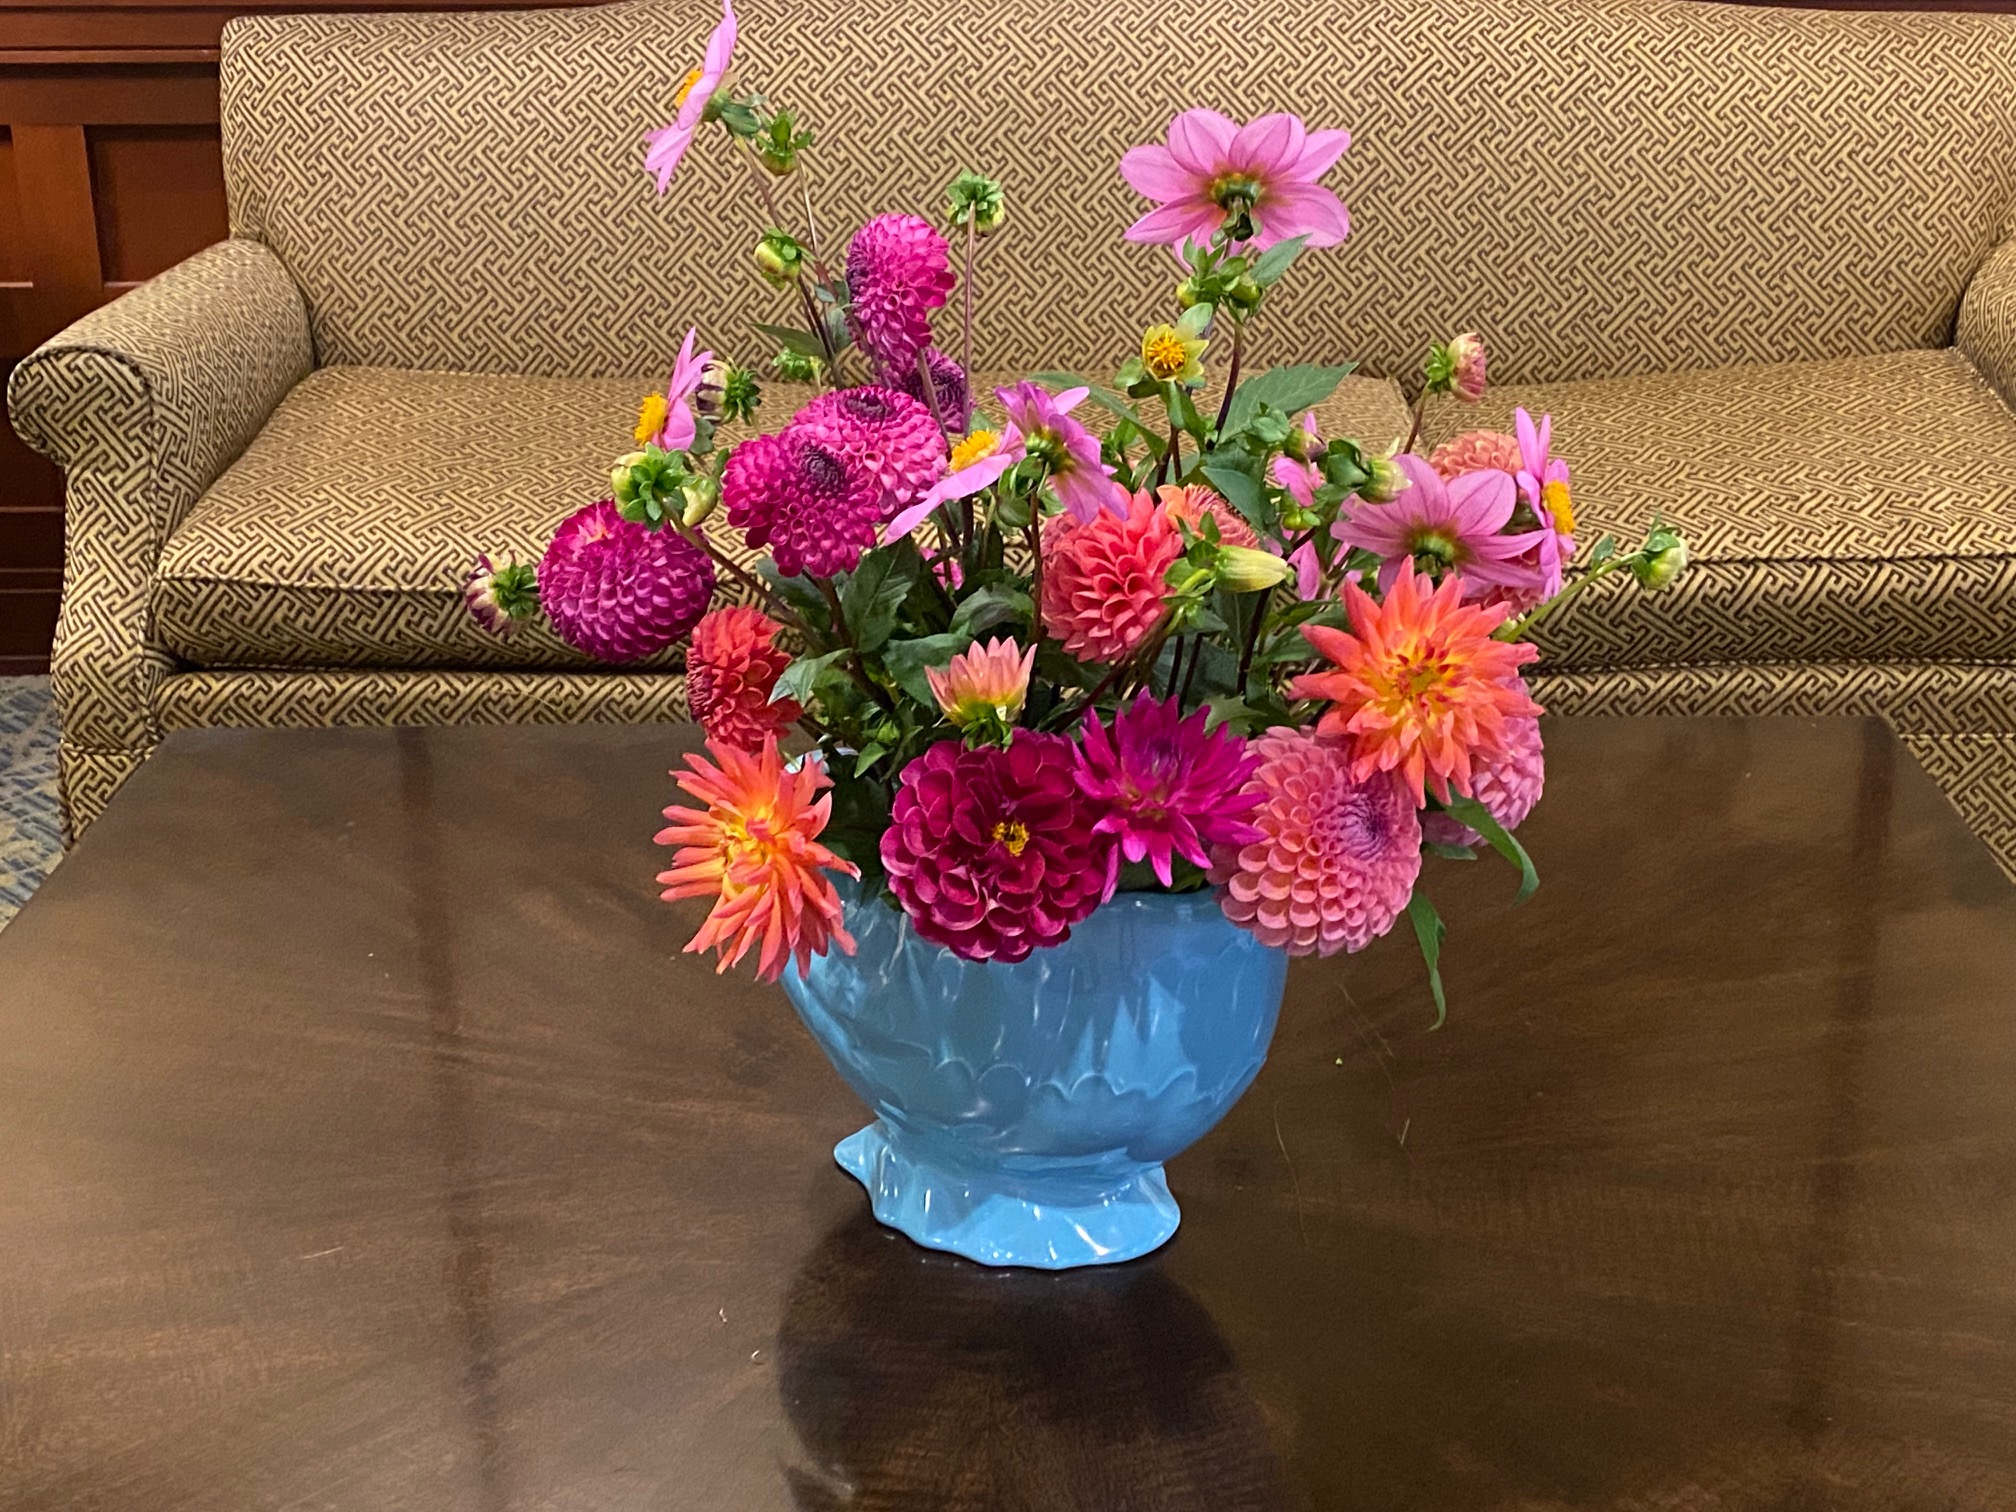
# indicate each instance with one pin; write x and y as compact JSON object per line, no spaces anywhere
{"x":886,"y":432}
{"x":619,"y":590}
{"x":992,"y":852}
{"x":812,"y":507}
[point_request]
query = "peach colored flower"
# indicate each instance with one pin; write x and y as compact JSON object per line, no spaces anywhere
{"x":1475,"y":451}
{"x":1191,"y":502}
{"x":984,"y":682}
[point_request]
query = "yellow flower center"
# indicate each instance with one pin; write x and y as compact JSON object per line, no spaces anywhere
{"x":1162,"y":353}
{"x":650,"y":416}
{"x":979,"y":445}
{"x":686,"y":89}
{"x":1555,"y":497}
{"x":1012,"y":833}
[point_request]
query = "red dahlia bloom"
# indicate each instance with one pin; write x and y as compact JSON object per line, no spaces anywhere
{"x":732,"y":663}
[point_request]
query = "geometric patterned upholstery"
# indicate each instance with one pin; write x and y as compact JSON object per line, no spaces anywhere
{"x":1861,"y":509}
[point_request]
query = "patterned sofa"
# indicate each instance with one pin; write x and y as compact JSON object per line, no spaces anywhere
{"x":1752,"y":260}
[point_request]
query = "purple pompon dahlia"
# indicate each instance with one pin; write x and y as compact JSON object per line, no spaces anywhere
{"x":619,"y":590}
{"x":948,"y":383}
{"x":814,"y":509}
{"x":898,"y":271}
{"x":889,"y":434}
{"x":1508,"y":784}
{"x":1164,"y":787}
{"x":992,"y":852}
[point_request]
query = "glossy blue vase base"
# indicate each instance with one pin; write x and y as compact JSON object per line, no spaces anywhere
{"x":1011,"y":1220}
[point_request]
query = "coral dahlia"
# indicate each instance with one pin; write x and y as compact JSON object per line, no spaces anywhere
{"x":984,"y":683}
{"x":755,"y":849}
{"x":898,"y":271}
{"x":732,"y":664}
{"x":991,"y":851}
{"x":618,"y":589}
{"x":815,"y":509}
{"x":1191,"y":503}
{"x":1475,"y":451}
{"x":886,"y":433}
{"x":1338,"y":851}
{"x":1165,"y":787}
{"x":1103,"y":588}
{"x":1508,"y":784}
{"x":1419,"y":686}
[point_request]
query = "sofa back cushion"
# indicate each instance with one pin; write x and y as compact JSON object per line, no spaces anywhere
{"x":1608,"y":187}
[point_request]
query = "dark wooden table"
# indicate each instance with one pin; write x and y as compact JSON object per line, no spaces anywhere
{"x":366,"y":1142}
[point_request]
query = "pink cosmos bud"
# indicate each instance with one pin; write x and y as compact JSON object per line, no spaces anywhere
{"x":1466,"y":367}
{"x":984,"y":683}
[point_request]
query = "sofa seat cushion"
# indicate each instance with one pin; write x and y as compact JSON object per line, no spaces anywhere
{"x":341,"y":536}
{"x":1856,"y":510}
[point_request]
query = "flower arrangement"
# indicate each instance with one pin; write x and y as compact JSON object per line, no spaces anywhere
{"x":1037,"y":659}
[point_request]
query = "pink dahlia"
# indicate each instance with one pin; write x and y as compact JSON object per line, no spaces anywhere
{"x":1103,"y":588}
{"x":886,"y":433}
{"x":732,"y":664}
{"x":898,"y":271}
{"x":816,"y":510}
{"x":1445,"y":528}
{"x":1082,"y":481}
{"x":667,"y":145}
{"x":618,"y":589}
{"x":1337,"y":855}
{"x":991,"y":851}
{"x":1213,"y":170}
{"x":1507,"y":782}
{"x":1467,"y":364}
{"x":986,"y":683}
{"x":1192,"y":504}
{"x":1164,"y":787}
{"x":948,"y":385}
{"x":1475,"y":451}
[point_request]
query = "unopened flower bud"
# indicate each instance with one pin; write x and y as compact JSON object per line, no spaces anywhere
{"x":620,"y":474}
{"x":796,"y":367}
{"x":1188,"y":294}
{"x":780,"y":258}
{"x":980,"y":197}
{"x":1384,"y":481}
{"x":1246,"y":569}
{"x":1303,"y":444}
{"x":701,"y":495}
{"x":1665,"y":558}
{"x":1466,"y":367}
{"x":501,"y":595}
{"x":1245,"y":295}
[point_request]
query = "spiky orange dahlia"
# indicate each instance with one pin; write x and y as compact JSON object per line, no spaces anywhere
{"x":1419,"y":687}
{"x":755,"y":850}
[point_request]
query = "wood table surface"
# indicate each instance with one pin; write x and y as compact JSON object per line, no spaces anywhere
{"x":367,"y":1142}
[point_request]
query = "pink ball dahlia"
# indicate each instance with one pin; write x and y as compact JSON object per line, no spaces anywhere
{"x":732,"y":664}
{"x":1474,"y":451}
{"x":886,"y":433}
{"x":1164,"y":786}
{"x":619,"y":590}
{"x":992,"y":852}
{"x":812,"y":507}
{"x":948,"y":382}
{"x":1507,"y":783}
{"x":898,"y":270}
{"x":1337,"y":857}
{"x":1103,"y":588}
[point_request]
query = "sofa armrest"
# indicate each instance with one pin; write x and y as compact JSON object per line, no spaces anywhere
{"x":143,"y":403}
{"x":1987,"y":329}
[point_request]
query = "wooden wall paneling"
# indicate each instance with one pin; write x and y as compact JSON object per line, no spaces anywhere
{"x":158,"y":192}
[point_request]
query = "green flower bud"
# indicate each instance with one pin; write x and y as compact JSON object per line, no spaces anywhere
{"x":701,"y":495}
{"x":976,"y":195}
{"x":796,"y":367}
{"x":1245,"y":569}
{"x":1245,"y":295}
{"x":780,"y":258}
{"x":1188,"y":293}
{"x":1664,"y":559}
{"x":1384,"y":482}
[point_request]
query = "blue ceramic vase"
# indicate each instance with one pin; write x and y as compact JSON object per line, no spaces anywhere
{"x":1023,"y":1112}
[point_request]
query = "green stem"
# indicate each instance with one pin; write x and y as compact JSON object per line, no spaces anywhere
{"x":1522,"y":628}
{"x":1252,"y":640}
{"x":1231,"y":378}
{"x":966,"y":284}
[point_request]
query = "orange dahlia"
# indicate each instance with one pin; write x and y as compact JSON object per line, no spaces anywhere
{"x":1103,"y":587}
{"x":755,"y":850}
{"x":1419,"y":687}
{"x":732,"y":663}
{"x":1191,"y":502}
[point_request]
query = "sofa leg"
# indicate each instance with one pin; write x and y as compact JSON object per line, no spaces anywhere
{"x":87,"y":777}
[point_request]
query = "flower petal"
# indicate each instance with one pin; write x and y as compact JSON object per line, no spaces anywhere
{"x":1269,"y":145}
{"x":1483,"y":501}
{"x":1201,"y":140}
{"x":1303,"y":210}
{"x":1320,"y":151}
{"x":1176,"y":220}
{"x":1154,"y":172}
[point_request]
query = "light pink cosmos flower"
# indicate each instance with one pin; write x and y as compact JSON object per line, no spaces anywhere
{"x":664,"y":147}
{"x":687,"y":374}
{"x":1543,"y":484}
{"x":978,"y":463}
{"x":1213,"y":166}
{"x":1301,"y":480}
{"x":1083,"y":483}
{"x":1446,"y":527}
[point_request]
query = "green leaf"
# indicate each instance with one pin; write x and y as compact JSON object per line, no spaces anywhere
{"x":1478,"y":817}
{"x":1275,"y":261}
{"x":989,"y":607}
{"x":875,"y":590}
{"x":1429,"y":932}
{"x":1239,"y":487}
{"x":1288,"y":389}
{"x":1604,"y":550}
{"x":907,"y":659}
{"x":873,"y":752}
{"x":1186,"y":409}
{"x":804,"y":343}
{"x":1450,"y":852}
{"x":802,"y":676}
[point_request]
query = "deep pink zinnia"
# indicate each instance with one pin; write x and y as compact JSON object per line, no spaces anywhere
{"x":1445,"y":528}
{"x":1164,"y":786}
{"x":618,"y":589}
{"x":1082,"y":482}
{"x":1213,"y":168}
{"x":1508,"y":782}
{"x":887,"y":433}
{"x":992,"y":852}
{"x":812,"y":507}
{"x":1338,"y":855}
{"x":898,"y":271}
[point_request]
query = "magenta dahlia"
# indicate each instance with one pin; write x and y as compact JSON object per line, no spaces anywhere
{"x":619,"y":590}
{"x":1337,"y":857}
{"x":948,"y":383}
{"x":812,"y":507}
{"x":898,"y":271}
{"x":992,"y":851}
{"x":1164,"y":787}
{"x":1508,"y":783}
{"x":887,"y":433}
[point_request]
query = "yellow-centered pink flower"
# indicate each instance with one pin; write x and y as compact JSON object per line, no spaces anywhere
{"x":984,"y":683}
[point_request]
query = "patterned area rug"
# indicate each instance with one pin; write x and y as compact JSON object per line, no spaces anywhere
{"x":30,"y":840}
